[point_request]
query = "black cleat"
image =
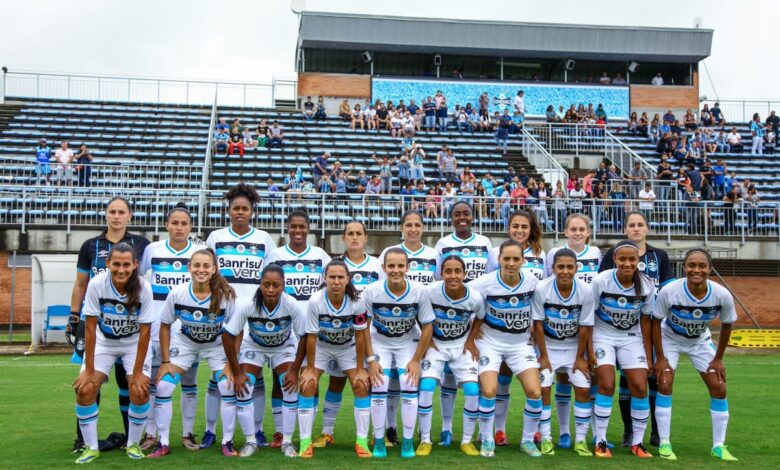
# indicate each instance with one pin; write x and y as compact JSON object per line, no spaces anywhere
{"x":78,"y":446}
{"x":392,"y":436}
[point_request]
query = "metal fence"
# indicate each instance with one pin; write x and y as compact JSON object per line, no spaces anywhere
{"x":539,"y":157}
{"x":741,"y":111}
{"x":72,"y":208}
{"x":146,"y":90}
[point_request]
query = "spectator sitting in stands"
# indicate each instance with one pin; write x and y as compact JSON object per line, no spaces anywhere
{"x":374,"y":186}
{"x":401,"y":108}
{"x":357,"y":118}
{"x":370,"y":117}
{"x":276,"y":136}
{"x":407,"y":190}
{"x":474,"y":118}
{"x":449,"y":166}
{"x":221,"y":142}
{"x":248,"y":140}
{"x":432,"y":202}
{"x":516,"y":124}
{"x":236,"y":142}
{"x":319,"y":114}
{"x":655,"y":131}
{"x":326,"y":185}
{"x":293,"y":183}
{"x":42,"y":162}
{"x":407,"y":125}
{"x":717,"y":115}
{"x":706,"y":190}
{"x":722,"y":142}
{"x":237,"y":126}
{"x":382,"y":117}
{"x":462,"y":120}
{"x":362,"y":181}
{"x":272,"y":187}
{"x":770,"y":140}
{"x":550,"y":114}
{"x":675,"y":128}
{"x":773,"y":121}
{"x":690,"y":121}
{"x":571,"y":115}
{"x":412,"y":108}
{"x":308,"y":109}
{"x":619,"y":80}
{"x":523,"y":177}
{"x":633,"y":123}
{"x":612,"y":173}
{"x":465,"y":174}
{"x":735,"y":141}
{"x":657,"y":80}
{"x":669,"y":117}
{"x":344,"y":112}
{"x":84,"y":166}
{"x":485,"y":122}
{"x":222,"y":125}
{"x":706,"y":116}
{"x":601,"y":114}
{"x":396,"y":124}
{"x":710,"y":141}
{"x":261,"y":135}
{"x":605,"y":80}
{"x":64,"y":157}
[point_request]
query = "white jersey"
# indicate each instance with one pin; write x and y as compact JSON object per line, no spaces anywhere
{"x":118,"y":323}
{"x":473,"y":251}
{"x":453,"y":318}
{"x":241,"y":257}
{"x":197,"y":325}
{"x":534,"y":264}
{"x":619,"y":309}
{"x":269,"y":329}
{"x":562,"y":317}
{"x":687,"y":319}
{"x":588,"y":262}
{"x":302,"y":271}
{"x":365,"y":273}
{"x":507,"y":309}
{"x":422,"y":263}
{"x":394,"y":318}
{"x":335,"y":326}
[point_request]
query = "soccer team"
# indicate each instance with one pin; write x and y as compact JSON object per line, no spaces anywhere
{"x":463,"y":314}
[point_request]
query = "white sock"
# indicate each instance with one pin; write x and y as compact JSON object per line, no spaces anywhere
{"x":601,"y":414}
{"x":378,"y":409}
{"x":487,"y":416}
{"x":719,"y":411}
{"x":424,"y":411}
{"x":289,"y":413}
{"x":88,"y":418}
{"x":363,"y":416}
{"x":502,"y":401}
{"x":563,"y":407}
{"x":305,"y":416}
{"x":640,"y":411}
{"x":408,"y":410}
{"x":663,"y":416}
{"x":245,"y":412}
{"x":448,"y":393}
{"x":544,"y":422}
{"x":163,"y":409}
{"x":136,"y":417}
{"x":276,"y":413}
{"x":189,"y":400}
{"x":531,"y":415}
{"x":330,"y":411}
{"x":393,"y":398}
{"x":470,"y":410}
{"x":582,"y":414}
{"x":258,"y":400}
{"x":212,"y":406}
{"x":227,"y":411}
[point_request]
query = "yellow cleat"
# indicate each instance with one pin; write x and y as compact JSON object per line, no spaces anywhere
{"x":424,"y":449}
{"x":468,"y":448}
{"x":323,"y":440}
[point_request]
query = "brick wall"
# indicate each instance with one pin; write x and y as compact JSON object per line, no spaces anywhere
{"x":23,"y":297}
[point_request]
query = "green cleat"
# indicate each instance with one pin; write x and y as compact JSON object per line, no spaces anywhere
{"x":88,"y":455}
{"x":722,"y":452}
{"x":134,"y":451}
{"x":380,"y":449}
{"x":547,"y":447}
{"x":307,"y":449}
{"x":665,"y":451}
{"x":530,"y":448}
{"x":407,"y":448}
{"x":581,"y":448}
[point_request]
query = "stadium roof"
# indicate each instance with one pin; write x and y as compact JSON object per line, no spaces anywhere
{"x":503,"y":38}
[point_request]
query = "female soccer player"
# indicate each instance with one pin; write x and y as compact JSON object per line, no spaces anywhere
{"x":621,"y":334}
{"x":364,"y":270}
{"x":168,"y":261}
{"x":563,"y":319}
{"x":199,"y":308}
{"x":505,"y":331}
{"x":119,"y":312}
{"x":241,"y":251}
{"x":454,"y":307}
{"x":395,"y":307}
{"x":302,"y":265}
{"x":654,"y":263}
{"x":681,"y":318}
{"x":334,"y":343}
{"x":93,"y":257}
{"x":276,"y":321}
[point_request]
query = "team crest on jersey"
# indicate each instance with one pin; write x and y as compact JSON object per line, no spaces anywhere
{"x":174,"y":352}
{"x":197,"y":315}
{"x":270,"y":325}
{"x":697,"y":313}
{"x":451,"y":313}
{"x":357,"y":277}
{"x":425,"y":364}
{"x":600,"y":353}
{"x":413,"y":265}
{"x":177,"y":265}
{"x":119,"y":308}
{"x":484,"y":360}
{"x":249,"y":355}
{"x":580,"y":266}
{"x":564,"y":313}
{"x":465,"y":252}
{"x":396,"y":311}
{"x":240,"y":249}
{"x":641,"y":266}
{"x":513,"y":301}
{"x":622,"y":301}
{"x":336,"y":323}
{"x":299,"y":267}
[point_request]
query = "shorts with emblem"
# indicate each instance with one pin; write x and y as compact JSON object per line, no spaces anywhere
{"x":562,"y":361}
{"x":519,"y":357}
{"x":184,"y":354}
{"x":251,"y":353}
{"x":395,"y":357}
{"x":334,"y":360}
{"x":106,"y":357}
{"x":629,"y":352}
{"x":700,"y":354}
{"x":464,"y":367}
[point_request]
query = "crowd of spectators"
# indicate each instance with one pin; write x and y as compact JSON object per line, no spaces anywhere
{"x":67,"y":164}
{"x":229,"y":138}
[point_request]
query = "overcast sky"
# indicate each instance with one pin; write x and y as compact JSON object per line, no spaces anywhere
{"x":253,"y":41}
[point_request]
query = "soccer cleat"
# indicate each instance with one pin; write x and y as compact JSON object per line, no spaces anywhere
{"x":248,"y":450}
{"x":501,"y":440}
{"x":307,"y":449}
{"x":547,"y":447}
{"x":609,"y":444}
{"x":78,"y":446}
{"x":468,"y":448}
{"x":564,"y":442}
{"x":277,"y":442}
{"x":228,"y":450}
{"x":407,"y":448}
{"x":134,"y":452}
{"x":391,"y":437}
{"x":530,"y":448}
{"x":423,"y":450}
{"x":488,"y":449}
{"x":323,"y":440}
{"x":665,"y":451}
{"x":640,"y":451}
{"x":88,"y":455}
{"x":722,"y":452}
{"x":260,"y":438}
{"x":445,"y":439}
{"x":189,"y":442}
{"x":288,"y":450}
{"x":581,"y":448}
{"x":361,"y":448}
{"x":537,"y":438}
{"x":655,"y":440}
{"x":627,"y":439}
{"x":115,"y":440}
{"x":380,"y":448}
{"x":148,"y":442}
{"x":209,"y":438}
{"x":602,"y":450}
{"x":161,"y":451}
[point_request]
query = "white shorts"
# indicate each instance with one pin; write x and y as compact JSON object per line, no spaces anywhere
{"x":519,"y":358}
{"x":562,"y":360}
{"x":251,"y":354}
{"x":184,"y":354}
{"x":700,"y":354}
{"x":335,"y":359}
{"x":464,"y":367}
{"x":629,"y":352}
{"x":106,"y":357}
{"x":395,"y":357}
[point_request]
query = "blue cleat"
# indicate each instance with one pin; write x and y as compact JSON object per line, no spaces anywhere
{"x":407,"y":449}
{"x":380,"y":450}
{"x":260,"y":439}
{"x":445,"y":440}
{"x":209,"y":438}
{"x":564,"y":442}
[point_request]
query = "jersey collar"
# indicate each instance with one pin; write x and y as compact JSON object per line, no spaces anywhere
{"x":459,"y":240}
{"x":356,"y":266}
{"x":618,"y":285}
{"x":400,"y":297}
{"x":455,"y":302}
{"x":113,"y":289}
{"x":692,"y":297}
{"x":584,"y":250}
{"x":505,"y":285}
{"x":178,"y":253}
{"x":298,"y":255}
{"x":410,"y":252}
{"x":195,"y":299}
{"x":571,"y":296}
{"x":330,"y":306}
{"x":241,"y":237}
{"x":273,"y":312}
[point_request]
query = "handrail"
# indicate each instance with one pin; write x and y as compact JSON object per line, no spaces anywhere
{"x":204,"y":182}
{"x":551,"y":170}
{"x":633,"y":156}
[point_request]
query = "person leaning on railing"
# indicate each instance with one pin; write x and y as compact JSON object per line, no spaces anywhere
{"x":84,"y":166}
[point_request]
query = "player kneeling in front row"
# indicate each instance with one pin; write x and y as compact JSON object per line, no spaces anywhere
{"x":682,"y":315}
{"x":454,"y":306}
{"x":276,"y":321}
{"x":563,"y":319}
{"x":201,"y":307}
{"x":336,"y":315}
{"x":119,"y":313}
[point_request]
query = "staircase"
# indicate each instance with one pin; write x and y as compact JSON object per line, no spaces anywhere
{"x":514,"y":157}
{"x":7,"y":112}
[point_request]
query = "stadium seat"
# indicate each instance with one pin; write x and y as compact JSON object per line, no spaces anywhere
{"x":54,"y":320}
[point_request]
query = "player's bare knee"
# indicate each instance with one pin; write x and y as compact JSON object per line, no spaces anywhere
{"x":87,"y":394}
{"x":488,"y":391}
{"x":308,"y":389}
{"x":582,"y":395}
{"x":360,"y":390}
{"x":718,"y":390}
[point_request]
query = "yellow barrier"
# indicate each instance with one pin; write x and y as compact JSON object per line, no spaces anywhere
{"x":755,"y":338}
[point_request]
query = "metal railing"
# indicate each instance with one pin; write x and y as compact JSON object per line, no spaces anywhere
{"x":145,"y":90}
{"x":552,"y":172}
{"x":741,"y":111}
{"x":204,"y":182}
{"x":71,"y":208}
{"x":623,"y":157}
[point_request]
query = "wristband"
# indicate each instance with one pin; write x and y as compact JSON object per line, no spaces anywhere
{"x":165,"y":362}
{"x":371,"y":358}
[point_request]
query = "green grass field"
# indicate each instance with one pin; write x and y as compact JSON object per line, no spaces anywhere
{"x":38,"y":426}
